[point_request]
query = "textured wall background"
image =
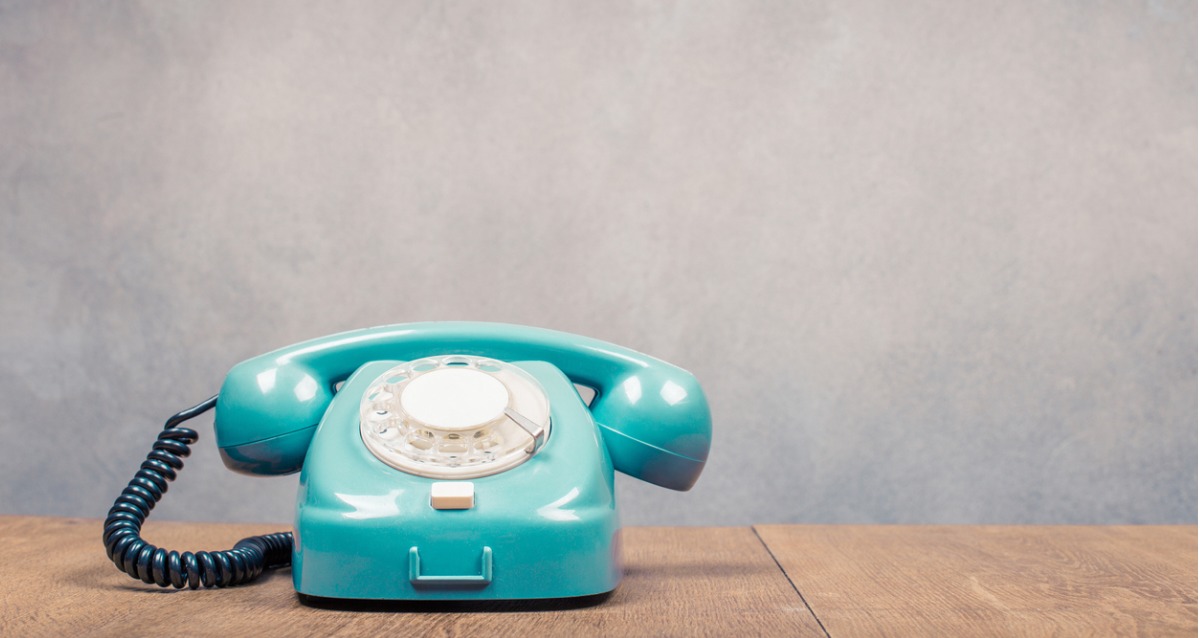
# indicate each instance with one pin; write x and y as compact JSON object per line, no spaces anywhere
{"x":935,"y":262}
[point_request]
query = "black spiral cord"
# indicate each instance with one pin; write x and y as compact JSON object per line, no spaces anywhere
{"x":135,"y":556}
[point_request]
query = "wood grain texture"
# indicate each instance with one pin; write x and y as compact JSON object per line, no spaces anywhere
{"x":55,"y":580}
{"x":981,"y":581}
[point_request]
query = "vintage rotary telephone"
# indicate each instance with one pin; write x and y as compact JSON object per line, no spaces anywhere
{"x":438,"y":461}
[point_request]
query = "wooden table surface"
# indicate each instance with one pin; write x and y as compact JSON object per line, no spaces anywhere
{"x":787,"y":580}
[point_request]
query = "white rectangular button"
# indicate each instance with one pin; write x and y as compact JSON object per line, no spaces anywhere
{"x":456,"y":495}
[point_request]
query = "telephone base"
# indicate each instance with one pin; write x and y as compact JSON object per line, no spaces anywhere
{"x":547,"y":529}
{"x":529,"y":561}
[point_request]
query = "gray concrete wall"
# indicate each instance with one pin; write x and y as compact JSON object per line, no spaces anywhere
{"x":934,"y":262}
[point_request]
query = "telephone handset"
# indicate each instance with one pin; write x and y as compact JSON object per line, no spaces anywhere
{"x":446,"y":460}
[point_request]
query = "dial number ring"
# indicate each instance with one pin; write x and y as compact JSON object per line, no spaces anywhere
{"x":454,"y":417}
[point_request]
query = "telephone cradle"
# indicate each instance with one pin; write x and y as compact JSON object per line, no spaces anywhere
{"x":438,"y":461}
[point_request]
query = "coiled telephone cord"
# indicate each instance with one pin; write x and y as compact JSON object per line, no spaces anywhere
{"x":168,"y":568}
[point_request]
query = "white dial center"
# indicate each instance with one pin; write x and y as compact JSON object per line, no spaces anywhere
{"x":455,"y":398}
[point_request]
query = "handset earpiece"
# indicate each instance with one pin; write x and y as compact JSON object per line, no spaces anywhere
{"x":656,"y":425}
{"x":267,"y":413}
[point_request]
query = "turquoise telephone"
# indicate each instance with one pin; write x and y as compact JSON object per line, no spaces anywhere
{"x":438,"y":461}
